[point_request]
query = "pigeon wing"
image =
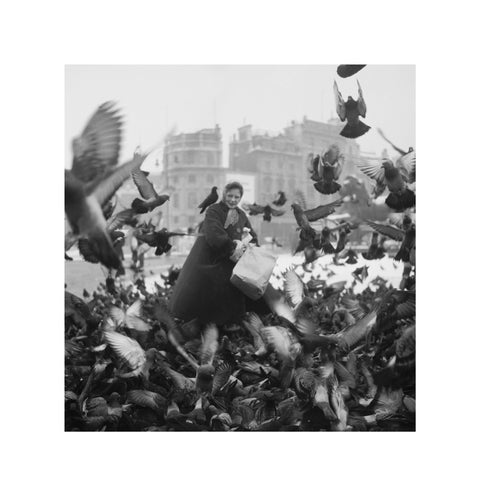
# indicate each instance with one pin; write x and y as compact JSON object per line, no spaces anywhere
{"x":118,"y":221}
{"x":277,"y":213}
{"x":322,"y":211}
{"x":126,"y":348}
{"x":106,"y":188}
{"x":390,"y":231}
{"x":374,"y":172}
{"x":407,"y":166}
{"x":361,"y":105}
{"x":339,"y":102}
{"x":293,"y":288}
{"x":209,"y":345}
{"x":145,"y":187}
{"x":134,"y":319}
{"x":98,"y":147}
{"x":117,"y":315}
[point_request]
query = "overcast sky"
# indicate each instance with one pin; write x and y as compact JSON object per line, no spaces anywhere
{"x":155,"y":98}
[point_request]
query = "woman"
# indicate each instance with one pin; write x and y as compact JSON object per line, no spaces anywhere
{"x":203,"y":289}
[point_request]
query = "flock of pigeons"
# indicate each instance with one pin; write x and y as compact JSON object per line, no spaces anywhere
{"x":325,"y":357}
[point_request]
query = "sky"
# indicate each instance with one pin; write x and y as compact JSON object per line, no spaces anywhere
{"x":156,"y":98}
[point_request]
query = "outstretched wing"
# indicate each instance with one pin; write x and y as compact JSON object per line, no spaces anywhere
{"x":398,"y":150}
{"x":276,"y":213}
{"x":98,"y":147}
{"x":117,"y":315}
{"x":407,"y":166}
{"x":361,"y":105}
{"x":339,"y":102}
{"x":145,"y":187}
{"x":118,"y":221}
{"x":390,"y":231}
{"x":127,"y":349}
{"x":209,"y":344}
{"x":351,"y":335}
{"x":293,"y":288}
{"x":253,"y":208}
{"x":277,"y":338}
{"x":108,"y":186}
{"x":322,"y":211}
{"x":134,"y":319}
{"x":374,"y":171}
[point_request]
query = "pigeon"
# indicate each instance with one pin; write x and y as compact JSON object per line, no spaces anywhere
{"x":267,"y":211}
{"x":139,"y":361}
{"x":406,"y":236}
{"x":360,"y":274}
{"x":325,"y":242}
{"x":151,"y":199}
{"x":280,"y":199}
{"x":326,"y":170}
{"x":307,"y":233}
{"x":160,"y":239}
{"x":395,"y":177}
{"x":347,"y":70}
{"x":342,"y":238}
{"x":407,"y":160}
{"x":209,"y":200}
{"x":94,"y":179}
{"x":351,"y":110}
{"x":87,"y":249}
{"x":375,"y":250}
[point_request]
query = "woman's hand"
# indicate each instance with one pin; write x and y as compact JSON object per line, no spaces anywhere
{"x":238,"y":252}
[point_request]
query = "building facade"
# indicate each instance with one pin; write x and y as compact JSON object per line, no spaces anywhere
{"x":263,"y":162}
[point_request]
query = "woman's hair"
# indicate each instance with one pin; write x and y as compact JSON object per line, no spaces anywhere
{"x":233,"y":185}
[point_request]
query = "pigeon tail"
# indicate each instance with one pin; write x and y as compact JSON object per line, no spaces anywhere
{"x":327,"y":188}
{"x":401,"y":201}
{"x":328,"y":248}
{"x":355,"y":130}
{"x":403,"y":254}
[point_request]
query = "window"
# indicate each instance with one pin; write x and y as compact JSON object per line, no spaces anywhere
{"x":175,"y":219}
{"x":209,"y":178}
{"x":191,"y":220}
{"x":174,"y":179}
{"x":280,"y":183}
{"x":175,"y":159}
{"x":175,"y":201}
{"x":192,"y":199}
{"x":191,"y":178}
{"x":267,"y":184}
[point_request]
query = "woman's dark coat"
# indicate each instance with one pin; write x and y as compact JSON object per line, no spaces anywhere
{"x":203,"y":289}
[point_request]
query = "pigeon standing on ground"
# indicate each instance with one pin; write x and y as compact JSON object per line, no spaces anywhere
{"x":209,"y":200}
{"x":351,"y":110}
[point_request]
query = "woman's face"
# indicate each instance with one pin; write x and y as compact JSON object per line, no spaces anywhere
{"x":232,"y":197}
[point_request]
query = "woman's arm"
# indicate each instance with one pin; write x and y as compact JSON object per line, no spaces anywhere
{"x":215,"y":234}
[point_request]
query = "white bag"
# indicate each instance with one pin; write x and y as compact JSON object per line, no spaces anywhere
{"x":253,"y":271}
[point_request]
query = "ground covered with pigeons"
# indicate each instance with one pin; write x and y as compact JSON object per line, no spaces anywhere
{"x":327,"y":358}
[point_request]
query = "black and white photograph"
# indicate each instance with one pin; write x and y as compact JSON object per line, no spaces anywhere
{"x":212,"y":222}
{"x":240,"y":248}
